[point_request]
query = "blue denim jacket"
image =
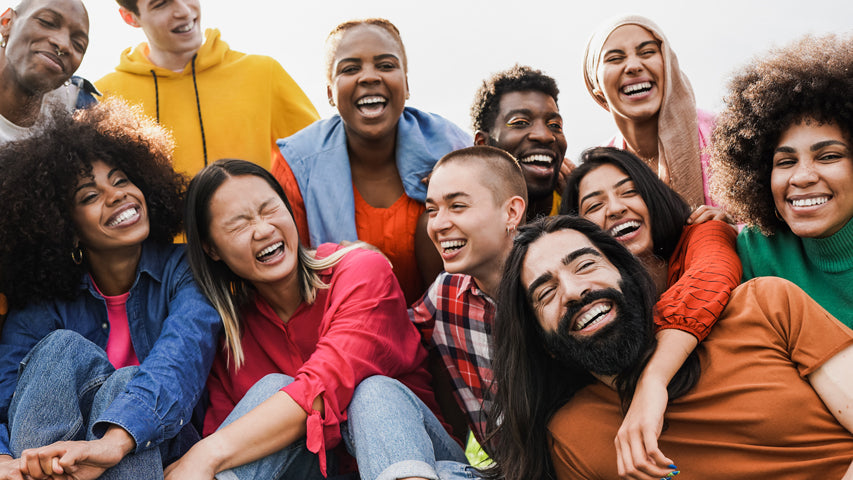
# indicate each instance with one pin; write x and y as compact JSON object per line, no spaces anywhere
{"x":174,"y":333}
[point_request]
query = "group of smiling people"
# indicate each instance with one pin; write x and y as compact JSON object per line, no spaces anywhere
{"x":365,"y":304}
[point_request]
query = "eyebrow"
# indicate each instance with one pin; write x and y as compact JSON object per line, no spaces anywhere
{"x":826,"y":143}
{"x":599,"y":192}
{"x":569,"y":258}
{"x":638,"y":47}
{"x":92,"y":183}
{"x":243,"y":216}
{"x":375,"y":58}
{"x":448,"y":197}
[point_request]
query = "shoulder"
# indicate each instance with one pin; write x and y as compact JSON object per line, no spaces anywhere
{"x":312,"y":140}
{"x":431,"y":124}
{"x":164,"y":261}
{"x":711,"y":229}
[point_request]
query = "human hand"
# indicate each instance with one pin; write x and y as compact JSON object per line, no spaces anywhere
{"x":706,"y":212}
{"x":77,"y":460}
{"x":192,"y":466}
{"x":10,"y":468}
{"x":637,"y":454}
{"x":566,"y":168}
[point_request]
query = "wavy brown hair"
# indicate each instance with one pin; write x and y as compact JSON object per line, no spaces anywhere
{"x":809,"y":80}
{"x":38,"y":176}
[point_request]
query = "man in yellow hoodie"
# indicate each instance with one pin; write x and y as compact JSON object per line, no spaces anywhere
{"x":218,"y":103}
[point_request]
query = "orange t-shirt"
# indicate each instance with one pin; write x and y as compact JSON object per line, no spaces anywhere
{"x":752,"y":414}
{"x":392,"y":230}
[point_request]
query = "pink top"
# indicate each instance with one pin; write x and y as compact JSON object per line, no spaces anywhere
{"x":120,"y":350}
{"x":356,"y":328}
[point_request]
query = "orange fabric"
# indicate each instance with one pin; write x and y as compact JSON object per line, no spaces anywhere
{"x":753,"y":413}
{"x":703,"y":271}
{"x":282,"y":172}
{"x":392,"y":230}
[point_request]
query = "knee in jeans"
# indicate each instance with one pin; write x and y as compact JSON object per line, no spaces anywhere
{"x":271,"y":383}
{"x":59,"y":339}
{"x":379,"y":388}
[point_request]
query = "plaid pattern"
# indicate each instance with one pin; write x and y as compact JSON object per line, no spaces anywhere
{"x":455,"y":318}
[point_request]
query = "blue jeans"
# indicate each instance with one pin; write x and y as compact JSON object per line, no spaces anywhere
{"x":294,"y":461}
{"x":392,"y":435}
{"x":64,"y":383}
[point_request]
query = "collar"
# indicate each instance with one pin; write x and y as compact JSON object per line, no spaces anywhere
{"x":832,"y":254}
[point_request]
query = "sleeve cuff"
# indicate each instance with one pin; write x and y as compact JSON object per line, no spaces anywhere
{"x":130,"y":414}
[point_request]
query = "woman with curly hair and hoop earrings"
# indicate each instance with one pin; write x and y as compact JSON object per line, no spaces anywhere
{"x":783,"y":164}
{"x":631,"y":70}
{"x":360,"y":172}
{"x":108,"y":341}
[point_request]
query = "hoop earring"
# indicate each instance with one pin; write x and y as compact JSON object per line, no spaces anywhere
{"x":3,"y":43}
{"x":77,"y":254}
{"x":510,"y":230}
{"x":331,"y":102}
{"x":779,"y":217}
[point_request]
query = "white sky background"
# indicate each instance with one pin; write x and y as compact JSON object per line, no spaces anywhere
{"x":453,"y":45}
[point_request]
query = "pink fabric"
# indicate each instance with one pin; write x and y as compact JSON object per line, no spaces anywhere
{"x":706,"y":126}
{"x":356,"y":328}
{"x":120,"y":350}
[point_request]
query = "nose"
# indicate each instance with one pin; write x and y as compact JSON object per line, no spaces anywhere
{"x":368,"y":74}
{"x":633,"y":64}
{"x":438,"y":221}
{"x":573,"y":288}
{"x":262,"y":229}
{"x":614,"y":208}
{"x":61,"y":41}
{"x":540,"y":132}
{"x":115,"y":195}
{"x":181,"y":9}
{"x":804,"y":174}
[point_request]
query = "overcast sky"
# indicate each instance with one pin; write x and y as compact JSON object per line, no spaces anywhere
{"x":453,"y":45}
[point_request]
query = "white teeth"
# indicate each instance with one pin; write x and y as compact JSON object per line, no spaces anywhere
{"x":370,"y":100}
{"x":123,"y":217}
{"x":636,"y":87}
{"x":593,"y":313}
{"x":618,"y":229}
{"x":448,"y":244}
{"x":537,"y":158}
{"x":808,"y":202}
{"x":269,"y":249}
{"x":186,"y":28}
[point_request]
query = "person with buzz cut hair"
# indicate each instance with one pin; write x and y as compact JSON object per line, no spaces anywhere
{"x":516,"y":110}
{"x":219,"y":103}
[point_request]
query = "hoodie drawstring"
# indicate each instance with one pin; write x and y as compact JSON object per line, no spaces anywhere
{"x":156,"y":93}
{"x":197,"y":106}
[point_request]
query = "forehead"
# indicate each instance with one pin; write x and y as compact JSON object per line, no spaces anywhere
{"x":538,"y":103}
{"x":546,"y":254}
{"x":602,"y":177}
{"x":72,"y":10}
{"x":810,"y":131}
{"x":367,"y":40}
{"x":237,"y":193}
{"x":462,"y":175}
{"x":627,"y":36}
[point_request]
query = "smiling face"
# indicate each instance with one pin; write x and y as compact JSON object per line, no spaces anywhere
{"x":368,"y":82}
{"x":465,"y":223}
{"x":631,"y":74}
{"x":529,"y":127}
{"x":811,"y":179}
{"x":109,"y":211}
{"x":172,"y":27}
{"x":34,"y":37}
{"x":609,"y":199}
{"x":252,"y":231}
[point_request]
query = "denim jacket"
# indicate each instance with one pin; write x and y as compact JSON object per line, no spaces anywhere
{"x":174,"y":333}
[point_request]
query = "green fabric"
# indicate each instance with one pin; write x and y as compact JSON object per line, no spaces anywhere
{"x":475,"y":454}
{"x":823,"y":267}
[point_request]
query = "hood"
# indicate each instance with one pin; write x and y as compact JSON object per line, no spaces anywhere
{"x":211,"y":53}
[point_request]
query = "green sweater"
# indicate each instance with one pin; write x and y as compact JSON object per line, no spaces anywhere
{"x":823,"y":267}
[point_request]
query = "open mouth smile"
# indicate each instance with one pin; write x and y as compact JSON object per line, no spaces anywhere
{"x":270,"y":252}
{"x":592,"y":317}
{"x":450,"y":246}
{"x":124,"y":217}
{"x":637,"y":89}
{"x":624,"y":229}
{"x":371,"y":106}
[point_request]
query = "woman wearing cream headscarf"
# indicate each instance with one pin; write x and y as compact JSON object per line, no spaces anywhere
{"x":631,"y":71}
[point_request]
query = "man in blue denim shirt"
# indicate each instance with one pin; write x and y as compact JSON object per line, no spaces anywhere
{"x":174,"y":331}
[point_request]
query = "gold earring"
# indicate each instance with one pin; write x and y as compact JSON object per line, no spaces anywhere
{"x":3,"y":43}
{"x":77,"y":254}
{"x":331,"y":102}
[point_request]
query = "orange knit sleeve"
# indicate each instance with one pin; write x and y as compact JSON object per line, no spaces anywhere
{"x":282,"y":172}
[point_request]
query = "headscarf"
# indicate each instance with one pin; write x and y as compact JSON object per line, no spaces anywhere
{"x":678,"y":130}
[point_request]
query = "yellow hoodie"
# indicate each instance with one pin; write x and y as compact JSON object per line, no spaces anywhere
{"x":225,"y":104}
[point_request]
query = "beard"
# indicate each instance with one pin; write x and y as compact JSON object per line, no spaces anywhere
{"x":614,"y":347}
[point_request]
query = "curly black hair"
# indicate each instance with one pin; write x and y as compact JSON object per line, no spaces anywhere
{"x":809,"y":80}
{"x":39,"y":174}
{"x":519,"y":78}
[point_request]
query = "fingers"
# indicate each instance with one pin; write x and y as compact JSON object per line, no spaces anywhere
{"x":705,"y":213}
{"x":39,"y":464}
{"x":638,"y":456}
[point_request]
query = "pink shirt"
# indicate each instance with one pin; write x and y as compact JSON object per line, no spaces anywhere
{"x":120,"y":350}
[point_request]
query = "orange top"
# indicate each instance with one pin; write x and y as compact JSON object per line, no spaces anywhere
{"x":392,"y":230}
{"x":282,"y":172}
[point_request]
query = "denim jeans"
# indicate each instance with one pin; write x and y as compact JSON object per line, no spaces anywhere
{"x":294,"y":461}
{"x":392,"y":435}
{"x":64,"y":383}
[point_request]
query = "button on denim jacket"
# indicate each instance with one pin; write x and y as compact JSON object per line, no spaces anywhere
{"x":174,"y":331}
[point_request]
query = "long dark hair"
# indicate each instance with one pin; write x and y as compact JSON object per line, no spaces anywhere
{"x":538,"y":384}
{"x":668,"y":212}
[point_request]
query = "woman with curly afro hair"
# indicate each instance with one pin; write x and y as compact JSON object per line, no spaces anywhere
{"x":115,"y":337}
{"x":782,"y":163}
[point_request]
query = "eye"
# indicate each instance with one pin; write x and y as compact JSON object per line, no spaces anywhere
{"x":458,"y":206}
{"x":120,"y":181}
{"x":556,"y":126}
{"x":613,"y":58}
{"x":431,"y":211}
{"x":386,"y":66}
{"x":87,"y":198}
{"x":592,"y":208}
{"x":629,"y":192}
{"x":830,"y":156}
{"x":80,"y":47}
{"x":349,"y":69}
{"x":784,"y":162}
{"x":544,"y":295}
{"x":584,"y":266}
{"x":46,"y":23}
{"x":517,"y":122}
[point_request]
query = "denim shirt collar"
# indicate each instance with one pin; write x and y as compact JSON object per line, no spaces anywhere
{"x":149,"y":264}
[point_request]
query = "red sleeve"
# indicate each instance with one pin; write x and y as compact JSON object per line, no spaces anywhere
{"x":703,"y":271}
{"x":365,"y":331}
{"x":282,"y":172}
